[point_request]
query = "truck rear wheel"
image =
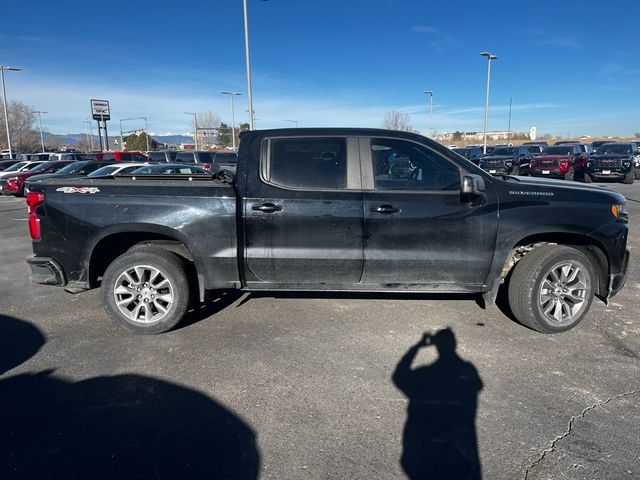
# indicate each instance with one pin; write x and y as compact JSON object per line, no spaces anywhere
{"x":551,"y":288}
{"x":146,"y":290}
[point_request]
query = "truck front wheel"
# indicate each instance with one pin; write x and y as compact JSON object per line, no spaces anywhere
{"x":630,"y":177}
{"x":146,"y":291}
{"x":551,"y":288}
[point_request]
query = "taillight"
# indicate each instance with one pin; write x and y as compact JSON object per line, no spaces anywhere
{"x":33,"y":200}
{"x":12,"y":183}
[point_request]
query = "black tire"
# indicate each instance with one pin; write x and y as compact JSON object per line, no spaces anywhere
{"x":587,"y":178}
{"x":170,"y":268}
{"x":636,"y":173}
{"x":570,"y":175}
{"x":526,"y":284}
{"x":630,"y":177}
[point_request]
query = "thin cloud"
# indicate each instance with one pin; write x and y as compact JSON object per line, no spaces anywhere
{"x":544,"y":38}
{"x":441,"y":42}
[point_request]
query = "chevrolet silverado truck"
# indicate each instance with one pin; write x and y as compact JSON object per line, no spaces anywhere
{"x":316,"y":210}
{"x":613,"y":161}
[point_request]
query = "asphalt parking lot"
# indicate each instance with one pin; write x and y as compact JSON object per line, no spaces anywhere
{"x":301,"y":386}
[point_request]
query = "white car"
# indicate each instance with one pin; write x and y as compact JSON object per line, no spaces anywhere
{"x":20,"y":167}
{"x":116,"y":168}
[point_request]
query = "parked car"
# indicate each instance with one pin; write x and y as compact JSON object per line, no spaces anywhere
{"x":566,"y":142}
{"x":65,"y":156}
{"x":74,"y":169}
{"x":115,"y":169}
{"x":117,"y":156}
{"x":289,"y":221}
{"x":543,"y":144}
{"x":19,"y":167}
{"x":559,"y":161}
{"x":506,"y":161}
{"x":166,"y":156}
{"x":204,"y":159}
{"x":225,"y":161}
{"x":14,"y":184}
{"x":4,"y":164}
{"x":473,"y":154}
{"x":534,"y":150}
{"x":171,"y":169}
{"x":613,"y":161}
{"x":597,"y":144}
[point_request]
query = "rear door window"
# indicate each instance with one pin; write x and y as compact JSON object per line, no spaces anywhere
{"x":184,"y":157}
{"x":312,"y":163}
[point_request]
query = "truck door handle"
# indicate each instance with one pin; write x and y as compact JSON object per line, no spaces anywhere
{"x":267,"y":208}
{"x":385,"y":209}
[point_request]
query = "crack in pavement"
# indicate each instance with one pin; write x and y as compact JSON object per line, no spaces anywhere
{"x":572,"y":420}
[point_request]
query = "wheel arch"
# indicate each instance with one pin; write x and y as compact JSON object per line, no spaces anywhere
{"x":120,"y":239}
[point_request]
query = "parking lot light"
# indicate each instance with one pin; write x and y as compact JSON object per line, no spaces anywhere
{"x":430,"y":93}
{"x":40,"y":122}
{"x":4,"y":103}
{"x":195,"y":127}
{"x":233,"y":117}
{"x":490,"y":57}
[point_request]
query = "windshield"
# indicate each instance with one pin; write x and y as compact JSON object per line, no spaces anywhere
{"x":230,"y":157}
{"x":503,"y":151}
{"x":72,"y":168}
{"x":43,"y":166}
{"x":108,"y":170}
{"x":615,"y":148}
{"x":558,"y":151}
{"x":16,"y":167}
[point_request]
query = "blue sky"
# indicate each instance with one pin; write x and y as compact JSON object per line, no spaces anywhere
{"x":570,"y":67}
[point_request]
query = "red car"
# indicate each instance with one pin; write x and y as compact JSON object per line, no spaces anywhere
{"x":559,"y":161}
{"x":14,"y":184}
{"x":118,"y":156}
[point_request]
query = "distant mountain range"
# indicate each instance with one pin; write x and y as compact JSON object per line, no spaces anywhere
{"x":73,"y":138}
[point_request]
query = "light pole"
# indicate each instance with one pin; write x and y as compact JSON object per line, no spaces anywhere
{"x":40,"y":122}
{"x":252,"y":119}
{"x":4,"y":102}
{"x":490,"y":57}
{"x":195,"y":127}
{"x":291,"y":121}
{"x":430,"y":93}
{"x":91,"y":132}
{"x":233,"y":117}
{"x":146,"y":130}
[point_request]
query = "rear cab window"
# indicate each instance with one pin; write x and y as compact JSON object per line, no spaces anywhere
{"x":317,"y":163}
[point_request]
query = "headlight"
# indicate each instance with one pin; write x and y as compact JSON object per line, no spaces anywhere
{"x":508,"y":163}
{"x":588,"y":164}
{"x":626,"y":164}
{"x":619,"y":210}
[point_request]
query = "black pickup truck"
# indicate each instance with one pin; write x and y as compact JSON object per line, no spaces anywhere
{"x":613,"y":161}
{"x":317,"y":209}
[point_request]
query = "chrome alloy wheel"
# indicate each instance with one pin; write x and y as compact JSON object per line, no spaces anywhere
{"x":563,"y":293}
{"x":143,"y":294}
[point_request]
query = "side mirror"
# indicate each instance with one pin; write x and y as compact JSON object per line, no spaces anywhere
{"x":472,"y":185}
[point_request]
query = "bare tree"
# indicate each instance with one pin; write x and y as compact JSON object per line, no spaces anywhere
{"x":208,"y":120}
{"x":54,"y":142}
{"x":395,"y":120}
{"x":83,"y":145}
{"x":22,"y":118}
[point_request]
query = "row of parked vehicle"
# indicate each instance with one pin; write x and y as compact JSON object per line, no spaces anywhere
{"x":565,"y":160}
{"x":17,"y":174}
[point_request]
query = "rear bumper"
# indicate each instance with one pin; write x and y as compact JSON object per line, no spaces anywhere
{"x":617,"y":280}
{"x":46,"y":271}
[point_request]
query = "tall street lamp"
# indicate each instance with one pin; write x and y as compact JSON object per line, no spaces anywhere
{"x":4,"y":102}
{"x":252,"y":118}
{"x":295,"y":122}
{"x":90,"y":123}
{"x":430,"y":93}
{"x":195,"y":127}
{"x":490,"y":57}
{"x":233,"y":117}
{"x":40,"y":122}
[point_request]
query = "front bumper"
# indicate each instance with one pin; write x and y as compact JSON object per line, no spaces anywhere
{"x":612,"y":173}
{"x":617,"y":280}
{"x":547,"y":172}
{"x":46,"y":270}
{"x":497,"y":170}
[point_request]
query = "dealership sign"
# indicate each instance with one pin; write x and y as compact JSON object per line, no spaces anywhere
{"x":100,"y":110}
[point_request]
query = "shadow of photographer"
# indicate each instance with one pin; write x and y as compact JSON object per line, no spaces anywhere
{"x":439,"y":439}
{"x":122,"y":426}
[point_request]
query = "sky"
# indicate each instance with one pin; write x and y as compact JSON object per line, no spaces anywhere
{"x":571,"y":68}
